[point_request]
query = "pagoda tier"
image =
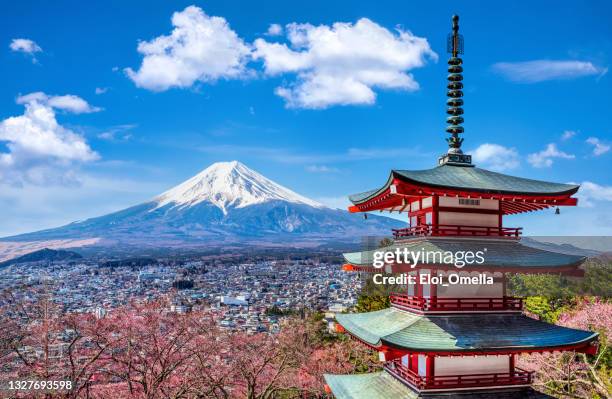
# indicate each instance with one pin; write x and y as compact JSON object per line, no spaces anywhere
{"x":395,"y":332}
{"x":515,"y":194}
{"x":383,"y":385}
{"x":500,"y":256}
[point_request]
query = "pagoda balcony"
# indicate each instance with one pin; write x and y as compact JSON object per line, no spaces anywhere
{"x":442,"y":382}
{"x":437,"y":304}
{"x":451,"y":230}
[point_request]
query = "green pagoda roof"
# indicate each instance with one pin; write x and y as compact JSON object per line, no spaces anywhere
{"x":383,"y":385}
{"x":500,"y":253}
{"x":459,"y":333}
{"x":470,"y":178}
{"x":380,"y":385}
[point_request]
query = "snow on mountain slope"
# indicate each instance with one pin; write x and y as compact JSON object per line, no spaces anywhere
{"x":229,"y":185}
{"x":225,"y":203}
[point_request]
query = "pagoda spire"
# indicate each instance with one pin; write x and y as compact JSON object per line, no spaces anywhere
{"x":454,"y":102}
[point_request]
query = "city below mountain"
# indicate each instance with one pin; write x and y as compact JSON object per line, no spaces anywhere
{"x":227,"y":203}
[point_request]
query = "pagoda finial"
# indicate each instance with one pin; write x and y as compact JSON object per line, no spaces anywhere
{"x":455,"y":101}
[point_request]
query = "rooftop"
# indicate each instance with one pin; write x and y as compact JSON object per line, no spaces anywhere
{"x":500,"y":255}
{"x":460,"y":333}
{"x":383,"y":385}
{"x":471,"y":179}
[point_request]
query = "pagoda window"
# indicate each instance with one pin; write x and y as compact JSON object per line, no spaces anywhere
{"x":422,"y":365}
{"x":426,"y":202}
{"x":462,"y":365}
{"x":495,"y":290}
{"x":415,"y":206}
{"x":411,"y":290}
{"x":426,"y":290}
{"x":428,"y":218}
{"x":468,"y":219}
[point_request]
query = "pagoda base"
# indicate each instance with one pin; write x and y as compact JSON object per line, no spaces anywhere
{"x":382,"y":385}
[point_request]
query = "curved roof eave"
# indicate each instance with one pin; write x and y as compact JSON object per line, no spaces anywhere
{"x":470,"y":179}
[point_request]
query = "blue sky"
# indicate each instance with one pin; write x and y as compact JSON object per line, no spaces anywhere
{"x":322,"y":97}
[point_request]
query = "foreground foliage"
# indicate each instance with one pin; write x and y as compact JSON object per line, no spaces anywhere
{"x":144,"y":351}
{"x":577,"y":375}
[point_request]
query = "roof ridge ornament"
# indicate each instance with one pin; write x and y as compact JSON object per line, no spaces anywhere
{"x":455,"y":155}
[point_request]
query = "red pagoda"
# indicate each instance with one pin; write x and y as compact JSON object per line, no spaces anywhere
{"x":440,"y":340}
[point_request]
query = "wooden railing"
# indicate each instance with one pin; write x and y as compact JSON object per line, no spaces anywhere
{"x":437,"y":304}
{"x":516,"y":377}
{"x":457,"y":230}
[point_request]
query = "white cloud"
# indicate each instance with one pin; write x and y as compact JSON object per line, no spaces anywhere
{"x":40,"y":150}
{"x":599,"y":148}
{"x":590,"y":192}
{"x":101,"y":90}
{"x":68,"y":102}
{"x":542,"y":70}
{"x":25,"y":46}
{"x":201,"y":48}
{"x":117,"y":133}
{"x":321,"y":169}
{"x":342,"y":64}
{"x":496,"y":157}
{"x":274,"y":30}
{"x":545,"y":157}
{"x":568,"y":134}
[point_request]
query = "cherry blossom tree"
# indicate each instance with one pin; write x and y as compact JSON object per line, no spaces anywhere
{"x":578,"y":375}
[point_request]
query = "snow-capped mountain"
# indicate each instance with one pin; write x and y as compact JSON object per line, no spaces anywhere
{"x":229,"y":185}
{"x":225,"y":203}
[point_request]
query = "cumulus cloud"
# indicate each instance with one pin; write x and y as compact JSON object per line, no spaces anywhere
{"x":590,"y":192}
{"x":542,"y":70}
{"x":599,"y":148}
{"x":201,"y":48}
{"x":545,"y":157}
{"x":342,"y":64}
{"x":496,"y":157}
{"x":274,"y":30}
{"x":25,"y":46}
{"x":40,"y":150}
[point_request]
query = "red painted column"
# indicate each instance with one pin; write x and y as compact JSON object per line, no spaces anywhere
{"x":511,"y":361}
{"x":414,"y":363}
{"x":435,"y":206}
{"x":430,"y":367}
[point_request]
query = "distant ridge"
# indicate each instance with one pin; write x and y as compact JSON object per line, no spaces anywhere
{"x":42,"y":255}
{"x":226,"y":203}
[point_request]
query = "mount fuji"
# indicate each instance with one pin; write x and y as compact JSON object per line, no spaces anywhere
{"x":225,"y":203}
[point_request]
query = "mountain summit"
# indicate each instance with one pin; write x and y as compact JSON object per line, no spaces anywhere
{"x":230,"y":185}
{"x":226,"y":203}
